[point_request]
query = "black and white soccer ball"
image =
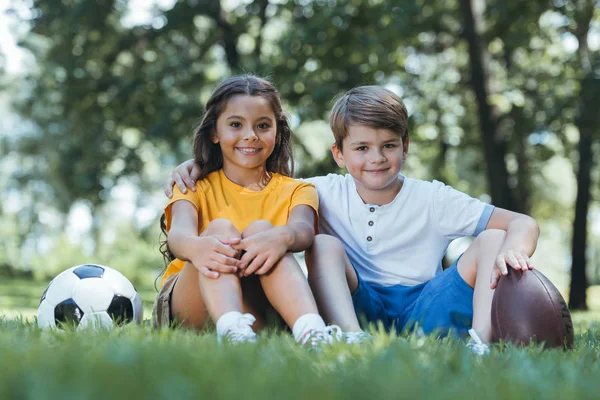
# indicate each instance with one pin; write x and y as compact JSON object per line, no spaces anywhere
{"x":89,"y":295}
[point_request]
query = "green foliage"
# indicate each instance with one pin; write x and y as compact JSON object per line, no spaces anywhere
{"x":131,"y":254}
{"x":141,"y":363}
{"x":104,"y":93}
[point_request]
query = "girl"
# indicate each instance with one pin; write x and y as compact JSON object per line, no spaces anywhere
{"x":230,"y":241}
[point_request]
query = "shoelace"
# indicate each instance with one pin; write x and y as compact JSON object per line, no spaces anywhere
{"x":477,"y":346}
{"x":242,"y":331}
{"x":359,"y":337}
{"x":314,"y":339}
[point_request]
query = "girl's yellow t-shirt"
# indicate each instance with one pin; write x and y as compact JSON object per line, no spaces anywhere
{"x":218,"y":197}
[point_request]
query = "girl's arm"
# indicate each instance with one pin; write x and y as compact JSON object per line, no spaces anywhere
{"x":299,"y":232}
{"x":264,"y":249}
{"x":209,"y":254}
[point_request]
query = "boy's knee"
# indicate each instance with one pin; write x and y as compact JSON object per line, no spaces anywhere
{"x":221,"y":226}
{"x":256,"y":227}
{"x":327,"y":242}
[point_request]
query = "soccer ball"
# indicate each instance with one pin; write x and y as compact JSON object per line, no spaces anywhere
{"x":89,"y":295}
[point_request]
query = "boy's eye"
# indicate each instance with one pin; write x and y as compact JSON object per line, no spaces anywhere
{"x":361,"y":148}
{"x":235,"y":124}
{"x":390,"y":145}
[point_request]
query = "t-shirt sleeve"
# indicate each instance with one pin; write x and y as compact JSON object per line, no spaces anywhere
{"x":305,"y":194}
{"x":459,"y":214}
{"x":192,"y":197}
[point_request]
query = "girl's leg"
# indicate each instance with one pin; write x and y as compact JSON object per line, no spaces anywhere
{"x":195,"y":297}
{"x":332,"y":280}
{"x":285,"y":285}
{"x":475,"y":267}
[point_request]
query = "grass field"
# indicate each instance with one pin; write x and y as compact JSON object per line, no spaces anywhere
{"x":137,"y":362}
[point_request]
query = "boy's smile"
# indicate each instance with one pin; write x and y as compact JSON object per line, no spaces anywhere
{"x":374,"y":158}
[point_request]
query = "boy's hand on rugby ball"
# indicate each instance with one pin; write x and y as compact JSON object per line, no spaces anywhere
{"x":261,"y":252}
{"x":514,"y":258}
{"x":215,"y":255}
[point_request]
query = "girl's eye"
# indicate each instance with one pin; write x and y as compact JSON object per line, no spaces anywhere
{"x":264,"y":126}
{"x":235,"y":125}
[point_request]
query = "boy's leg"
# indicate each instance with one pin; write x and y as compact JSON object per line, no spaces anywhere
{"x":475,"y":267}
{"x":332,"y":280}
{"x":196,"y":297}
{"x":285,"y":285}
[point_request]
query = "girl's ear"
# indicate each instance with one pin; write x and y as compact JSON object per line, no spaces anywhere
{"x":214,"y":137}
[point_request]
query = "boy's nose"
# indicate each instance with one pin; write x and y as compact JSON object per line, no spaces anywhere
{"x":378,"y":158}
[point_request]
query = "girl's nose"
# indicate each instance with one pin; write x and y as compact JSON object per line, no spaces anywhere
{"x":250,"y":135}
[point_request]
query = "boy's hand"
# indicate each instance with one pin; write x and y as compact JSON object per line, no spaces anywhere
{"x":261,"y":252}
{"x":516,"y":259}
{"x":184,"y":176}
{"x":215,"y":255}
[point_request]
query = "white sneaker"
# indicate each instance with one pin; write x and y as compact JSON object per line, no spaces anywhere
{"x":314,"y":339}
{"x":476,"y":345}
{"x":359,"y":337}
{"x":240,"y":331}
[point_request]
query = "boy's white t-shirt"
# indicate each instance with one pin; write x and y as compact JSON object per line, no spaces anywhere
{"x":402,"y":242}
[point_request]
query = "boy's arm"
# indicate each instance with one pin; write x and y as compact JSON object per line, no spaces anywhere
{"x":264,"y":249}
{"x":185,"y":176}
{"x":522,"y":232}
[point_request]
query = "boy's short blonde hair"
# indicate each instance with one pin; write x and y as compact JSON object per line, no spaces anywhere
{"x":371,"y":106}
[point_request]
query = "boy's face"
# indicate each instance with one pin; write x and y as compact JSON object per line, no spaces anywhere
{"x":373,"y":157}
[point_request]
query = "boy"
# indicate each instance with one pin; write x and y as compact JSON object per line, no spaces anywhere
{"x":383,"y":235}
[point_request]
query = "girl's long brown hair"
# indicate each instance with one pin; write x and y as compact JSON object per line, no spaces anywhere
{"x":208,"y":155}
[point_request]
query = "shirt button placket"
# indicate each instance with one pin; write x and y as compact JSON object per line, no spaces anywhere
{"x":370,"y":229}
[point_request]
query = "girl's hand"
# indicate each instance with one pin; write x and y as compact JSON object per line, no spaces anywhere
{"x":261,"y":251}
{"x":516,"y":259}
{"x":215,"y":255}
{"x":185,"y":176}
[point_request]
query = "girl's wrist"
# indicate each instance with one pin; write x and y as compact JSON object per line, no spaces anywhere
{"x":286,"y":234}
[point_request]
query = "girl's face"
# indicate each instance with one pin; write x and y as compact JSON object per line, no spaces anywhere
{"x":246,"y":132}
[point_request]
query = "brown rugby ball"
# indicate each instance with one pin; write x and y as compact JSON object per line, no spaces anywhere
{"x":527,"y":306}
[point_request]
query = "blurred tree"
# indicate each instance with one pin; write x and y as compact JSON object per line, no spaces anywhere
{"x":486,"y":82}
{"x":580,"y":14}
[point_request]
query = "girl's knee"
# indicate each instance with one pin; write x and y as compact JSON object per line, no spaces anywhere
{"x":256,"y":227}
{"x":221,"y":226}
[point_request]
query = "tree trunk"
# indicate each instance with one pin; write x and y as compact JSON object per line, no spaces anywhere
{"x":579,"y":283}
{"x":588,"y":123}
{"x":494,"y":145}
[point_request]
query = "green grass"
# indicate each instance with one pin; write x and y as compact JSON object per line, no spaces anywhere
{"x":138,"y":362}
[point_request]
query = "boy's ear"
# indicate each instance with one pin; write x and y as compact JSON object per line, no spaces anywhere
{"x":338,"y":156}
{"x":405,"y":143}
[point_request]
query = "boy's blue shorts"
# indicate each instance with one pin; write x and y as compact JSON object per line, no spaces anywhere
{"x":443,"y":305}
